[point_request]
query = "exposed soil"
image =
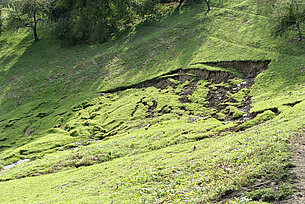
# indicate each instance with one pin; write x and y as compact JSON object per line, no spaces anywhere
{"x":249,"y":69}
{"x":274,"y":110}
{"x":150,"y":108}
{"x":298,"y":172}
{"x":182,"y":75}
{"x":217,"y":97}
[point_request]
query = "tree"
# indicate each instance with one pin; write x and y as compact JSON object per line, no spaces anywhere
{"x":1,"y":25}
{"x":180,"y":3}
{"x":26,"y":14}
{"x":289,"y":14}
{"x":208,"y":2}
{"x":98,"y":21}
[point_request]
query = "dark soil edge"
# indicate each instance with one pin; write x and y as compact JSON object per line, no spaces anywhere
{"x":248,"y":68}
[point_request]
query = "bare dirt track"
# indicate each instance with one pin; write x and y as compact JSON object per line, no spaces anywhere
{"x":298,"y":172}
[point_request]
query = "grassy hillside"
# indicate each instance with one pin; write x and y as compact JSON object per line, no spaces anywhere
{"x":157,"y":116}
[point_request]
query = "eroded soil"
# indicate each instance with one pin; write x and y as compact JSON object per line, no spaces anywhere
{"x":202,"y":102}
{"x":227,"y":94}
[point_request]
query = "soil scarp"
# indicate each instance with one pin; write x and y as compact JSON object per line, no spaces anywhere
{"x":249,"y":69}
{"x":226,"y":93}
{"x":274,"y":110}
{"x":181,"y":75}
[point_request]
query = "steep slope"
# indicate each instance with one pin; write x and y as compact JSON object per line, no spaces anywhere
{"x":196,"y":108}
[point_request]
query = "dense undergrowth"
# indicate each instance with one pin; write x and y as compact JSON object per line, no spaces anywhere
{"x":142,"y":119}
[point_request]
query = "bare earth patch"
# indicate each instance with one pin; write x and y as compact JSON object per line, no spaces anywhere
{"x":298,"y":172}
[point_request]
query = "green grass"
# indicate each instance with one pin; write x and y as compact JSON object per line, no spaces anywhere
{"x":143,"y":145}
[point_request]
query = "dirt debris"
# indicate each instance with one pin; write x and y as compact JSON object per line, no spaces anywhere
{"x":220,"y":88}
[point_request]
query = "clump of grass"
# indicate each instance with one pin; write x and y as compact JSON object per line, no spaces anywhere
{"x":269,"y":194}
{"x":260,"y":118}
{"x":221,"y":116}
{"x":233,"y":110}
{"x":239,"y":96}
{"x":236,"y":81}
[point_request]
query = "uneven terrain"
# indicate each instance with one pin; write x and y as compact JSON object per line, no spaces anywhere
{"x":195,"y":108}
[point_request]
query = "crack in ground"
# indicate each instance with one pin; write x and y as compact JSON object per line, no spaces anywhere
{"x":292,"y":104}
{"x":249,"y":69}
{"x":161,"y":82}
{"x":217,"y":99}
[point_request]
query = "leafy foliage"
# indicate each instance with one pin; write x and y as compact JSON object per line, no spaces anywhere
{"x":290,"y":14}
{"x":1,"y":21}
{"x":98,"y":21}
{"x":21,"y":14}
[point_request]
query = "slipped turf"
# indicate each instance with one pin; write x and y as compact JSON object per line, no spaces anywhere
{"x":140,"y":118}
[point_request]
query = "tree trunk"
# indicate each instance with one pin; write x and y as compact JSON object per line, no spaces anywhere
{"x":180,"y":3}
{"x":35,"y":28}
{"x":300,"y":33}
{"x":208,"y":4}
{"x":35,"y":32}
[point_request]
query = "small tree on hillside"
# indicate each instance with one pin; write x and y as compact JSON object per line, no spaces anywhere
{"x":180,"y":3}
{"x":1,"y":20}
{"x":208,"y":3}
{"x":290,"y":14}
{"x":22,"y":14}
